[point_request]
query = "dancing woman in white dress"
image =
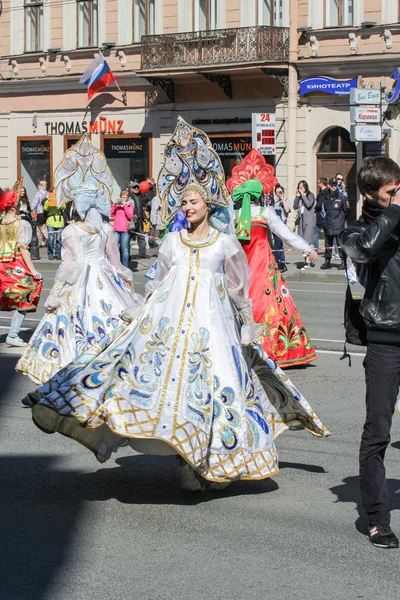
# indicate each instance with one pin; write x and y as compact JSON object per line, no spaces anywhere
{"x":179,"y":379}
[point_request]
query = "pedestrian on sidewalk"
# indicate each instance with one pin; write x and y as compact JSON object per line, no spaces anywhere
{"x":55,"y":226}
{"x":138,"y":203}
{"x":20,"y":283}
{"x":372,"y":243}
{"x":337,"y":208}
{"x":320,"y":211}
{"x":282,"y":209}
{"x":306,"y":221}
{"x":122,"y":211}
{"x":24,"y":206}
{"x":37,"y":207}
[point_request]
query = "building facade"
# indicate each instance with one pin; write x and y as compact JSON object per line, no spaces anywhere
{"x":215,"y":62}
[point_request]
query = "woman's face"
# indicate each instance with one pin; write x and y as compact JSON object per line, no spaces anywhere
{"x":302,"y":189}
{"x":194,"y":208}
{"x":125,"y":195}
{"x":23,"y":193}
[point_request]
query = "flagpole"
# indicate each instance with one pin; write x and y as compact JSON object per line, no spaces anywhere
{"x":123,"y":94}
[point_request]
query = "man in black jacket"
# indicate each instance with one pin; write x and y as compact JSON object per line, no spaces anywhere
{"x":320,"y":208}
{"x":337,"y":208}
{"x":373,"y":244}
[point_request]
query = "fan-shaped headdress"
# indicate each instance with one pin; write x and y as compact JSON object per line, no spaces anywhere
{"x":252,"y":177}
{"x":190,"y":160}
{"x":84,"y":177}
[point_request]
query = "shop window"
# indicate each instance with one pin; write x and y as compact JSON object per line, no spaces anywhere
{"x":70,"y":140}
{"x":339,"y":13}
{"x":128,"y":158}
{"x":34,"y":162}
{"x":231,"y":149}
{"x":33,"y":25}
{"x":144,"y":18}
{"x":87,"y":21}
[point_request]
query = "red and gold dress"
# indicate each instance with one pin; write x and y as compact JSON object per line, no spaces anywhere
{"x":284,"y":336}
{"x":19,"y":290}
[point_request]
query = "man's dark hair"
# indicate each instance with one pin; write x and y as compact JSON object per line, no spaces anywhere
{"x":323,"y":180}
{"x":376,"y":172}
{"x":333,"y":181}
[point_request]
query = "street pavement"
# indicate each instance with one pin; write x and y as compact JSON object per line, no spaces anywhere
{"x":73,"y":529}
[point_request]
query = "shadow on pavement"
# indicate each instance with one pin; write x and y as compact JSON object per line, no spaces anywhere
{"x":302,"y":467}
{"x":7,"y":372}
{"x":349,"y":491}
{"x":38,"y":517}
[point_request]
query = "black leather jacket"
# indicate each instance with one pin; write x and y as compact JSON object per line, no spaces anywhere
{"x":373,"y":244}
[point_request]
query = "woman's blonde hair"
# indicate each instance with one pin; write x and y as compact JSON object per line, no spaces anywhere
{"x":43,"y":183}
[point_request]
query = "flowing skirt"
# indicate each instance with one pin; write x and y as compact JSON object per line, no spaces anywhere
{"x":18,"y":288}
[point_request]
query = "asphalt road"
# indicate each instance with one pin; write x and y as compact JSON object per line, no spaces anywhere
{"x":76,"y":530}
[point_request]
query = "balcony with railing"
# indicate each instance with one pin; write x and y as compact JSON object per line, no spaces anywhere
{"x":197,"y":50}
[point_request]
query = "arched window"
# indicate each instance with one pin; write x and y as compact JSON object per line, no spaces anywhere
{"x":337,"y":141}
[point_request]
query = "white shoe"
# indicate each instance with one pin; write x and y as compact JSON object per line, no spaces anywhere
{"x":306,"y":267}
{"x":15,"y":341}
{"x":187,"y":480}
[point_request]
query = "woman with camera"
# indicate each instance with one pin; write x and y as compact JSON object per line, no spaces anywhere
{"x":122,"y":212}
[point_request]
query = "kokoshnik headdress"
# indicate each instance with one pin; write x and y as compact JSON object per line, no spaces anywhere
{"x":191,"y":163}
{"x":84,"y":177}
{"x":252,"y":177}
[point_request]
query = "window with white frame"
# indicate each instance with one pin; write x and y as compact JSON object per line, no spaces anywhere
{"x":272,"y":13}
{"x":339,"y":13}
{"x":144,"y":18}
{"x":87,"y":23}
{"x":204,"y":14}
{"x":33,"y":25}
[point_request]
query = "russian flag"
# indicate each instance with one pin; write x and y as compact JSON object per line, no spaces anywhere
{"x":97,"y":76}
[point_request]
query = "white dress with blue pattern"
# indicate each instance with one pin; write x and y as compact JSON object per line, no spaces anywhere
{"x":177,"y":379}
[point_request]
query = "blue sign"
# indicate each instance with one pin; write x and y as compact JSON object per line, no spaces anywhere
{"x":393,"y":96}
{"x":327,"y":86}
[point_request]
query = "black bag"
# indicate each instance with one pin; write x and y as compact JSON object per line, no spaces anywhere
{"x":354,"y":324}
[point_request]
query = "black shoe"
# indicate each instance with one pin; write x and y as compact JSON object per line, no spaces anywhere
{"x":341,"y":267}
{"x":282,"y":267}
{"x":57,"y":257}
{"x":51,"y":257}
{"x":144,"y":256}
{"x":382,"y":536}
{"x":326,"y":265}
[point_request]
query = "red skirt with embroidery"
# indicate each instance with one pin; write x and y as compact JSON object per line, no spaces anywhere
{"x":18,"y":288}
{"x":284,"y":336}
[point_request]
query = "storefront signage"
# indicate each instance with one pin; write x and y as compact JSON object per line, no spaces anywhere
{"x":34,"y":149}
{"x":360,"y":114}
{"x":225,"y":121}
{"x":101,"y":125}
{"x":327,"y":86}
{"x":126,"y":148}
{"x":231,"y":147}
{"x":366,"y":133}
{"x":365,"y":96}
{"x":393,"y":96}
{"x":263,"y":133}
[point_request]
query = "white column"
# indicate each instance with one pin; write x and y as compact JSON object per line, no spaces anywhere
{"x":359,"y":12}
{"x":221,"y":14}
{"x":125,"y":23}
{"x":69,"y":26}
{"x":185,"y":15}
{"x":159,"y":17}
{"x":389,"y":12}
{"x":316,"y":13}
{"x":102,"y":22}
{"x":17,"y":27}
{"x":248,"y":13}
{"x":46,"y":36}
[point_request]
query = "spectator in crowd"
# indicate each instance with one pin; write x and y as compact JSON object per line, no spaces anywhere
{"x":55,"y":225}
{"x":282,"y":209}
{"x":155,"y":217}
{"x":337,"y":208}
{"x":24,"y":206}
{"x":138,"y":203}
{"x":306,"y":221}
{"x":152,"y":191}
{"x":320,"y":208}
{"x":37,"y":207}
{"x":341,"y":184}
{"x":122,"y":211}
{"x":372,"y":243}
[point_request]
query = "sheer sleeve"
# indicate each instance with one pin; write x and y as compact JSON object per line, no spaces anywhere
{"x":279,"y":228}
{"x":163,"y":264}
{"x":113,"y":256}
{"x":24,"y":234}
{"x":237,"y":277}
{"x":72,"y":257}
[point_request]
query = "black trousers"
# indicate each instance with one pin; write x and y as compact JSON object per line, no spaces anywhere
{"x":382,"y":377}
{"x":328,"y":246}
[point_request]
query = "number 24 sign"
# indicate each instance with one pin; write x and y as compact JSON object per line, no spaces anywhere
{"x":263,"y":132}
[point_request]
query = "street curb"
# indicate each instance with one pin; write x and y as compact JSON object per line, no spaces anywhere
{"x":307,"y":276}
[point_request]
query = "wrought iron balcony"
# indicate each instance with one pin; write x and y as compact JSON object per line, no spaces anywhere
{"x":234,"y":46}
